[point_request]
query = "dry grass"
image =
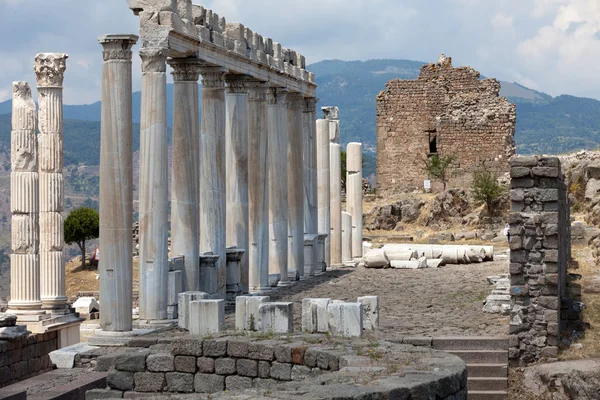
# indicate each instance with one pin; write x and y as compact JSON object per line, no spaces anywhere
{"x":84,"y":280}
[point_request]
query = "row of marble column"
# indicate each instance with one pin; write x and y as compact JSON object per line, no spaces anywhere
{"x":37,"y":194}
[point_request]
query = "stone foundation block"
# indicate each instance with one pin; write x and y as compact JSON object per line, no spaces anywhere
{"x":132,"y":361}
{"x":247,"y":368}
{"x":180,"y":382}
{"x":237,"y":383}
{"x":120,"y":380}
{"x":215,"y":348}
{"x":370,"y":308}
{"x":161,"y":362}
{"x":300,"y":373}
{"x":206,"y":365}
{"x":263,"y":350}
{"x":237,"y":348}
{"x":149,"y":381}
{"x":186,"y":347}
{"x":206,"y":317}
{"x":264,"y":369}
{"x":98,"y":394}
{"x":246,"y":312}
{"x":345,"y":319}
{"x":281,"y":371}
{"x":225,"y":366}
{"x":276,"y":317}
{"x":185,"y":364}
{"x":183,"y":305}
{"x":208,"y":383}
{"x":315,"y":317}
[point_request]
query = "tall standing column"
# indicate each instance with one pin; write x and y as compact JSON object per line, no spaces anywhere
{"x":258,"y":190}
{"x":323,"y":180}
{"x":213,"y":173}
{"x":335,"y":173}
{"x":354,"y":194}
{"x":185,"y":232}
{"x":236,"y":158}
{"x":278,"y":183}
{"x":309,"y":155}
{"x":295,"y":184}
{"x":116,"y":184}
{"x":49,"y":69}
{"x":153,"y":190}
{"x":24,"y":205}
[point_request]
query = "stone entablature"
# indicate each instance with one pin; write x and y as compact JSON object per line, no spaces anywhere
{"x":448,"y":111}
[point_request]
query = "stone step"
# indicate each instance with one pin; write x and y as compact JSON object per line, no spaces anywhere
{"x":482,"y":356}
{"x":487,"y":370}
{"x":470,"y":343}
{"x":488,"y":395}
{"x":487,"y":383}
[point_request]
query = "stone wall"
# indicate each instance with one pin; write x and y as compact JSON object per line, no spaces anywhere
{"x":25,"y":357}
{"x":452,"y":109}
{"x":540,"y":250}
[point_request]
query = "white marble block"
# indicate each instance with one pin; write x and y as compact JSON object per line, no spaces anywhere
{"x":175,"y":287}
{"x":311,"y":254}
{"x":345,"y":319}
{"x":246,"y":312}
{"x":315,"y":316}
{"x":86,"y":305}
{"x":276,"y":317}
{"x":370,"y":308}
{"x":183,"y":306}
{"x":206,"y":316}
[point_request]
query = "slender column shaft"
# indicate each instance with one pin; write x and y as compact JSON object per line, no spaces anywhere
{"x":346,"y":237}
{"x":24,"y":260}
{"x":295,"y":184}
{"x":309,"y":155}
{"x":49,"y":69}
{"x":335,"y":202}
{"x":153,"y":190}
{"x":354,"y":194}
{"x":278,"y":183}
{"x":323,"y":180}
{"x":258,"y":192}
{"x":213,"y":173}
{"x":236,"y":151}
{"x":116,"y":184}
{"x":185,"y":232}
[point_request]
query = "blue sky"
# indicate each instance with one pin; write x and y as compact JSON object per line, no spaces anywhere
{"x":548,"y":45}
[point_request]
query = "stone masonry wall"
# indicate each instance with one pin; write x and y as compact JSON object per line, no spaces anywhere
{"x":540,"y":249}
{"x":464,"y":114}
{"x":25,"y":357}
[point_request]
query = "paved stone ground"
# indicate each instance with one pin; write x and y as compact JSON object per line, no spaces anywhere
{"x":443,"y":302}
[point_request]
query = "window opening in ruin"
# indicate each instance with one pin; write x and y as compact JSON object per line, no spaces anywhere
{"x":433,"y":143}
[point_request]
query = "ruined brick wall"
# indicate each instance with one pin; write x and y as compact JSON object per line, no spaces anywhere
{"x":540,"y":248}
{"x":26,"y":357}
{"x":463,"y":115}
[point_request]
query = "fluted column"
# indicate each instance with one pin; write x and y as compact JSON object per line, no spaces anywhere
{"x":49,"y":69}
{"x":323,"y":180}
{"x":116,"y":184}
{"x":258,"y":193}
{"x":354,"y":194}
{"x":335,"y":187}
{"x":153,"y":190}
{"x":185,"y":220}
{"x":295,"y":184}
{"x":24,"y":260}
{"x":309,"y":155}
{"x":236,"y":151}
{"x":213,"y":173}
{"x":278,"y":183}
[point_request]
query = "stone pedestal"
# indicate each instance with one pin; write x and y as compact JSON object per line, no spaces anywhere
{"x":322,"y":264}
{"x":185,"y":232}
{"x":208,"y":273}
{"x":206,"y":317}
{"x":153,"y":209}
{"x":323,"y":191}
{"x":346,"y":237}
{"x":49,"y":69}
{"x":311,"y":255}
{"x":246,"y":312}
{"x":258,"y":192}
{"x":212,"y":175}
{"x":278,"y":183}
{"x":276,"y":317}
{"x":309,"y":155}
{"x":295,"y":184}
{"x":234,"y":273}
{"x":354,"y":194}
{"x":116,"y":184}
{"x":236,"y":151}
{"x":335,"y":203}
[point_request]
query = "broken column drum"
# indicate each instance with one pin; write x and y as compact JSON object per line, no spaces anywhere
{"x":116,"y":184}
{"x":49,"y":69}
{"x":185,"y":232}
{"x":354,"y":194}
{"x":153,"y":210}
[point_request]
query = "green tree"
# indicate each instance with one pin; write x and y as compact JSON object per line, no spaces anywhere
{"x":440,"y":167}
{"x":82,"y":224}
{"x":344,"y":170}
{"x":485,"y":189}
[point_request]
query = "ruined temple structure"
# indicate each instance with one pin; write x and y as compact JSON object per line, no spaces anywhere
{"x":445,"y":111}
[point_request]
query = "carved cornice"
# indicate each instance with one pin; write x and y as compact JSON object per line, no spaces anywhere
{"x":237,"y":84}
{"x":117,"y":47}
{"x":277,"y":96}
{"x":50,"y":69}
{"x":213,"y":77}
{"x":257,"y":91}
{"x":154,"y":59}
{"x":295,"y":101}
{"x":310,"y":105}
{"x":185,"y":69}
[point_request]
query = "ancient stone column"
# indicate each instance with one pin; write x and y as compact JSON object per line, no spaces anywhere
{"x":116,"y":184}
{"x":309,"y":155}
{"x":323,"y":191}
{"x":49,"y":69}
{"x":295,"y":183}
{"x":335,"y":189}
{"x":213,"y":174}
{"x":258,"y":192}
{"x":236,"y":158}
{"x":346,"y":237}
{"x":185,"y":232}
{"x":153,"y":190}
{"x":354,"y":194}
{"x":278,"y":183}
{"x":24,"y":260}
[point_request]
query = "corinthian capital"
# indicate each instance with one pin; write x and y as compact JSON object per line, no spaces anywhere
{"x":277,"y":96}
{"x":257,"y":91}
{"x":310,"y":105}
{"x":213,"y":77}
{"x":154,"y":59}
{"x":117,"y":47}
{"x":185,"y":69}
{"x":237,"y":84}
{"x":50,"y":69}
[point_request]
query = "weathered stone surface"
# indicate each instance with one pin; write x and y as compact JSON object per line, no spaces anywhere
{"x":160,"y":363}
{"x":186,"y":347}
{"x":185,"y":364}
{"x":120,"y":380}
{"x":149,"y":381}
{"x":180,"y":382}
{"x":247,"y":368}
{"x":132,"y":361}
{"x":225,"y":366}
{"x":276,"y":317}
{"x":7,"y":320}
{"x":208,"y":383}
{"x":564,"y":380}
{"x":281,"y":371}
{"x":215,"y":348}
{"x":237,"y":383}
{"x":206,"y":365}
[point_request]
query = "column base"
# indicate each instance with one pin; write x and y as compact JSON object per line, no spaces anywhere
{"x":55,"y":303}
{"x":104,"y":338}
{"x":285,"y":283}
{"x":259,"y":291}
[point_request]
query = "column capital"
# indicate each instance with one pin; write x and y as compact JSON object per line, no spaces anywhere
{"x":50,"y":69}
{"x":185,"y":69}
{"x":154,"y":59}
{"x":237,"y":84}
{"x":310,"y":105}
{"x":117,"y":47}
{"x":277,"y":96}
{"x":295,"y":101}
{"x":213,"y":77}
{"x":257,"y":90}
{"x":331,"y":113}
